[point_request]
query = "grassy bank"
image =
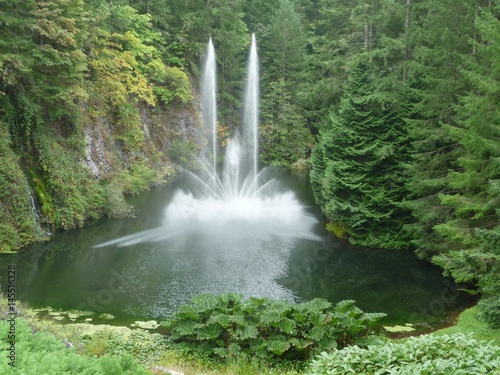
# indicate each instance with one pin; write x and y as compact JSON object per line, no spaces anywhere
{"x":469,"y":322}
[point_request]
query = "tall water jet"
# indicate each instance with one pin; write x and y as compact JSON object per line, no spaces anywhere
{"x":238,"y":203}
{"x":251,"y":114}
{"x":209,"y":104}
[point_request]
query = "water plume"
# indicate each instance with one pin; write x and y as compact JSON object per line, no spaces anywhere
{"x":239,"y":201}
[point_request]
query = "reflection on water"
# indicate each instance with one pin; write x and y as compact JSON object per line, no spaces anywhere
{"x":151,"y":278}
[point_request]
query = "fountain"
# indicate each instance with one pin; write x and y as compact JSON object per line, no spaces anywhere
{"x":251,"y":118}
{"x":230,"y":229}
{"x":241,"y":200}
{"x":209,"y":102}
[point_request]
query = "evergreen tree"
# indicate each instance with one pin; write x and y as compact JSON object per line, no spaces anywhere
{"x":283,"y":132}
{"x":232,"y":41}
{"x":439,"y":43}
{"x":223,"y":21}
{"x":342,"y":30}
{"x":472,"y":230}
{"x":283,"y":135}
{"x":283,"y":43}
{"x":357,"y":165}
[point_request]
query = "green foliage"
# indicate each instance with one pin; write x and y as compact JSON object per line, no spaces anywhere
{"x":428,"y":354}
{"x":42,"y":55}
{"x":171,"y":83}
{"x":471,"y":323}
{"x":116,"y":206}
{"x":136,"y":178}
{"x":284,"y":42}
{"x":490,"y":310}
{"x":42,"y":353}
{"x":183,"y":153}
{"x":437,"y":48}
{"x":76,"y":194}
{"x":470,"y":227}
{"x":18,"y":225}
{"x":357,"y":165}
{"x":337,"y":229}
{"x":60,"y":59}
{"x":283,"y":136}
{"x":143,"y":346}
{"x":226,"y":325}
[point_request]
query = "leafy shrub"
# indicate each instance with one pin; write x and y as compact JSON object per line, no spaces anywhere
{"x":490,"y":310}
{"x":42,"y":353}
{"x":424,"y":355}
{"x":116,"y":206}
{"x":137,"y":178}
{"x":226,"y":325}
{"x":144,"y":346}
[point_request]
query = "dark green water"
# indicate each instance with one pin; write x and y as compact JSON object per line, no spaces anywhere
{"x":149,"y":280}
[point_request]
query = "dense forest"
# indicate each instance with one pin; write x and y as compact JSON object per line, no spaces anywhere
{"x":392,"y":103}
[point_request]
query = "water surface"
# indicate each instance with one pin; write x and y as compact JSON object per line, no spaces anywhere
{"x":149,"y":279}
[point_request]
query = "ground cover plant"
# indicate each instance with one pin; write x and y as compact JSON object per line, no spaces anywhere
{"x":39,"y":352}
{"x":423,"y":355}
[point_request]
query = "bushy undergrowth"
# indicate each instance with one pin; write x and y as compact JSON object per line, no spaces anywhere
{"x":42,"y":353}
{"x":224,"y":326}
{"x":144,"y":346}
{"x":70,"y":194}
{"x":18,"y":225}
{"x":423,"y":355}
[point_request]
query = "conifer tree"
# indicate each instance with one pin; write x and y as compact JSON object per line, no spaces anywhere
{"x":439,"y":41}
{"x":284,"y":134}
{"x":358,"y":165}
{"x":472,"y":230}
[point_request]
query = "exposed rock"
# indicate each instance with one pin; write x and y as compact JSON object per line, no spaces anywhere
{"x":96,"y":136}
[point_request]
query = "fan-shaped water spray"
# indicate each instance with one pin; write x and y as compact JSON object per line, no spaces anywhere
{"x":240,"y":201}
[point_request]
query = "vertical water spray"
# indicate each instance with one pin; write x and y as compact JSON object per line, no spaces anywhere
{"x":251,"y":115}
{"x":209,"y":105}
{"x":235,"y":204}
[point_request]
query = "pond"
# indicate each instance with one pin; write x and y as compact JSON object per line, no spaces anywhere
{"x":140,"y":269}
